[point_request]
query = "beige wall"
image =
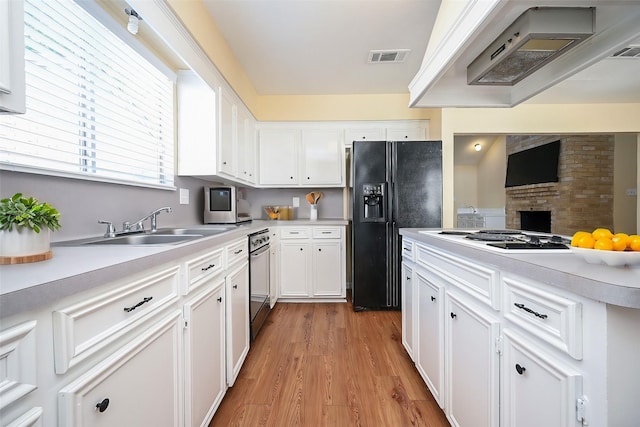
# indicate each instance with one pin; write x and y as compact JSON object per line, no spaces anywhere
{"x":466,"y":186}
{"x":491,"y":174}
{"x":625,"y":176}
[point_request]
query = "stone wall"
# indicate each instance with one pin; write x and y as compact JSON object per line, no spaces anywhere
{"x":582,"y":199}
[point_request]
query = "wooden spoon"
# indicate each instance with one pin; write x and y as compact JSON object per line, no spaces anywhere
{"x":311,"y":198}
{"x":318,"y":196}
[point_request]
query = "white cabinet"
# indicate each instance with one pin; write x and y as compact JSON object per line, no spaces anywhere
{"x":238,"y":332}
{"x":293,"y":157}
{"x":430,"y":333}
{"x":408,"y":309}
{"x":141,"y":384}
{"x":18,"y":358}
{"x":216,"y":133}
{"x":204,"y":357}
{"x":537,"y":389}
{"x":278,"y":153}
{"x":312,"y":263}
{"x":321,"y":158}
{"x":12,"y":78}
{"x":364,"y":134}
{"x":472,"y":364}
{"x":414,"y":133}
{"x":274,"y":265}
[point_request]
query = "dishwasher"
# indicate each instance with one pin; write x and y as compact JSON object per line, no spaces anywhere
{"x":259,"y":280}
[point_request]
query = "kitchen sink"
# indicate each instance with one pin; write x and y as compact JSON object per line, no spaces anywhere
{"x":145,"y":239}
{"x":204,"y":231}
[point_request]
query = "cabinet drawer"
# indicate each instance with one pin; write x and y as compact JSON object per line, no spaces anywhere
{"x":326,"y":232}
{"x":139,"y":385}
{"x":407,"y":250}
{"x":552,"y":318}
{"x":481,"y":282}
{"x":82,"y":329}
{"x":18,"y":356}
{"x":294,"y":233}
{"x":203,"y":266}
{"x":237,"y":251}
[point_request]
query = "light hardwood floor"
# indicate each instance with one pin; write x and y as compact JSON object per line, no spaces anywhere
{"x":324,"y":365}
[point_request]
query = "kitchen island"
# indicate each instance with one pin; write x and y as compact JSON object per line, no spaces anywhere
{"x":530,"y":338}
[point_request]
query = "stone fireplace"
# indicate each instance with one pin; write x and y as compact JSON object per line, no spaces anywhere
{"x":583,"y":196}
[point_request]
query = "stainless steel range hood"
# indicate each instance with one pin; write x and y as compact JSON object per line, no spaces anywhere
{"x":537,"y":37}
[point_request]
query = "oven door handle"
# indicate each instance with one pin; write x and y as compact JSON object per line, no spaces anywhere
{"x":260,"y":251}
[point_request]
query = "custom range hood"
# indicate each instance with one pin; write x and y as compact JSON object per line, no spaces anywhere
{"x":538,"y":36}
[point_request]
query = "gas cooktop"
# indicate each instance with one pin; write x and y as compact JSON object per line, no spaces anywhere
{"x":508,"y":240}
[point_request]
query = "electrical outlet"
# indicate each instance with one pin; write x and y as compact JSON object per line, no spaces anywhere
{"x":296,"y":202}
{"x":184,"y":196}
{"x":632,"y":192}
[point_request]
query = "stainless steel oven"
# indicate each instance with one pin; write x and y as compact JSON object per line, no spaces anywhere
{"x":259,"y":280}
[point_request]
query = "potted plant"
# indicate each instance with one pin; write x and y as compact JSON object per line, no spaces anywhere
{"x":25,"y":226}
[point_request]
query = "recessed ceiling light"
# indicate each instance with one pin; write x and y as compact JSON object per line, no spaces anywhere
{"x":477,"y":147}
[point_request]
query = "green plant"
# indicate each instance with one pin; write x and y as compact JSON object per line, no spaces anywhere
{"x":29,"y":213}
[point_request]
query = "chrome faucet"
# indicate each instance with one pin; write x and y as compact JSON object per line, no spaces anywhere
{"x":128,"y":227}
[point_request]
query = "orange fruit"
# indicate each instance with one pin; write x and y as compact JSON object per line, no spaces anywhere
{"x":600,"y":233}
{"x":620,"y":241}
{"x":634,"y":242}
{"x":603,"y":244}
{"x":577,"y":236}
{"x":587,"y":242}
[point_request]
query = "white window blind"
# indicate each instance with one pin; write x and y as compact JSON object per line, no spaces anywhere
{"x":95,"y":107}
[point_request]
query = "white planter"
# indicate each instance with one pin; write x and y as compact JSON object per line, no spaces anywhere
{"x":23,"y":241}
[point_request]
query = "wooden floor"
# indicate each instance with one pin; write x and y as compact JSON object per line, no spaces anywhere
{"x":324,"y":365}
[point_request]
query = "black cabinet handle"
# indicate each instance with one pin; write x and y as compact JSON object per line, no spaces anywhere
{"x":453,"y":315}
{"x":237,"y":252}
{"x":319,"y":250}
{"x":219,"y":299}
{"x":300,"y":248}
{"x":528,"y":310}
{"x":210,"y":266}
{"x":133,"y":307}
{"x":408,"y":278}
{"x":520,"y":369}
{"x":102,"y":406}
{"x":433,"y":298}
{"x":235,"y":286}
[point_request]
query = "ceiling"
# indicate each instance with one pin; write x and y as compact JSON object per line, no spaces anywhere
{"x":321,"y":47}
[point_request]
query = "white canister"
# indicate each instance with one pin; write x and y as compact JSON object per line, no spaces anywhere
{"x":313,"y":215}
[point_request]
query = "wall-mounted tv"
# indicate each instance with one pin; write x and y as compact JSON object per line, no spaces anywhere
{"x":534,"y":165}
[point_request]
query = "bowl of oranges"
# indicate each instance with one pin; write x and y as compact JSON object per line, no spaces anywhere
{"x":601,"y":246}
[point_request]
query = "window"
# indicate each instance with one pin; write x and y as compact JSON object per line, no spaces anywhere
{"x":96,"y":108}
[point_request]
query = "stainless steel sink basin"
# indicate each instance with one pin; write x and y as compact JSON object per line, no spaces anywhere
{"x":146,"y":239}
{"x":204,"y":231}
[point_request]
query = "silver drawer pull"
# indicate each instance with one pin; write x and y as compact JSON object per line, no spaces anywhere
{"x":208,"y":267}
{"x":327,"y":232}
{"x":294,"y":232}
{"x":133,"y":307}
{"x":528,"y":310}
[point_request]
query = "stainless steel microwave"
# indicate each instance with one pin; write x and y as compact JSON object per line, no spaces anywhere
{"x":222,"y":206}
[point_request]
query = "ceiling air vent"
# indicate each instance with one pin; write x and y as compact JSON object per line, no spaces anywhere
{"x":536,"y":38}
{"x":632,"y":51}
{"x":388,"y":56}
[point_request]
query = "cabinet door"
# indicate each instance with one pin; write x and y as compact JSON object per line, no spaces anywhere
{"x":538,"y":390}
{"x":12,"y":80}
{"x":274,"y":267}
{"x":321,"y":158}
{"x":238,"y":331}
{"x":205,"y":370}
{"x":472,"y":371}
{"x":295,"y":260}
{"x":430,"y":334}
{"x":246,"y":147}
{"x":140,"y":385}
{"x":327,"y":268}
{"x":278,"y":156}
{"x":408,"y":309}
{"x":228,"y":134}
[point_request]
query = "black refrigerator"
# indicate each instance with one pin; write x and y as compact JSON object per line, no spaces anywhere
{"x":395,"y":185}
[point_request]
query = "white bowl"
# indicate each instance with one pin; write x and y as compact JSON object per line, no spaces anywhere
{"x":612,"y":258}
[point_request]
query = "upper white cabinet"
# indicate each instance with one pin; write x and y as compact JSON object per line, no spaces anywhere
{"x":294,"y":156}
{"x":364,"y":134}
{"x":216,"y":133}
{"x":417,"y":133}
{"x":12,"y":81}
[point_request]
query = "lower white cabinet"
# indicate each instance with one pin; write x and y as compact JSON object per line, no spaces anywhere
{"x":312,"y":262}
{"x":537,"y":389}
{"x":430,"y":333}
{"x":472,"y":365}
{"x":204,"y":357}
{"x":408,"y":310}
{"x":139,"y":385}
{"x":237,"y":323}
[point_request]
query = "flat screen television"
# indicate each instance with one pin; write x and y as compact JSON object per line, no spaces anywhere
{"x":533,"y":166}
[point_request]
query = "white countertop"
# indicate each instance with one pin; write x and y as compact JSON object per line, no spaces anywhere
{"x":562,"y":269}
{"x":76,"y":268}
